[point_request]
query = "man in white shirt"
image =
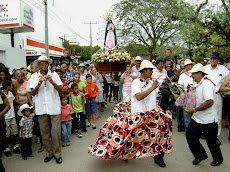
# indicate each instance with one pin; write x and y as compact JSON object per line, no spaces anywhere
{"x":136,"y":68}
{"x":144,"y":96}
{"x":46,"y":85}
{"x":217,"y":73}
{"x":204,"y":119}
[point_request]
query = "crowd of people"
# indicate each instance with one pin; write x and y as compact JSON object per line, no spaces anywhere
{"x":32,"y":96}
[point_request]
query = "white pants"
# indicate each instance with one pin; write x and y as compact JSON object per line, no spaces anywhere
{"x":126,"y":96}
{"x":219,"y":104}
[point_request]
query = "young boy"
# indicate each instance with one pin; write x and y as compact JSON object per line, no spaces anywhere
{"x":65,"y":89}
{"x":91,"y":101}
{"x":78,"y":105}
{"x":26,"y":130}
{"x":11,"y":126}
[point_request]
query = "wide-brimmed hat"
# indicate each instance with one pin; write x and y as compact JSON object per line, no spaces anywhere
{"x":146,"y":64}
{"x":138,"y":58}
{"x":187,"y":62}
{"x":81,"y":65}
{"x":23,"y":107}
{"x":215,"y":55}
{"x":43,"y":59}
{"x":198,"y":68}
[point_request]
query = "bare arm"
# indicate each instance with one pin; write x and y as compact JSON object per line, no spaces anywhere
{"x":122,"y":79}
{"x":224,"y":84}
{"x":83,"y":104}
{"x":86,"y":91}
{"x":7,"y":107}
{"x":22,"y":134}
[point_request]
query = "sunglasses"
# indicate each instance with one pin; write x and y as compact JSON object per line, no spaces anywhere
{"x":81,"y":66}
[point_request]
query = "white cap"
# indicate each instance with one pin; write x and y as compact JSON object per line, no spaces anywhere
{"x":81,"y":64}
{"x":187,"y":62}
{"x":197,"y":68}
{"x":42,"y":59}
{"x":146,"y":64}
{"x":22,"y":107}
{"x":138,"y":58}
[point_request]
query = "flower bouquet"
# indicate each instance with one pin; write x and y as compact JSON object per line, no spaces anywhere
{"x":111,"y":60}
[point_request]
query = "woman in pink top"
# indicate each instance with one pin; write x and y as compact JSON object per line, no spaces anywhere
{"x":127,"y":78}
{"x":66,"y":121}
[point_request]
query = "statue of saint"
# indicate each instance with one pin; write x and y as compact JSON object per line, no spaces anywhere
{"x":110,"y":36}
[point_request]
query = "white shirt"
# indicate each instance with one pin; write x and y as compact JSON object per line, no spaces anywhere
{"x":47,"y":100}
{"x":10,"y":114}
{"x":205,"y":91}
{"x":217,"y":75}
{"x":108,"y":78}
{"x":148,"y":103}
{"x":185,"y":80}
{"x":134,"y":69}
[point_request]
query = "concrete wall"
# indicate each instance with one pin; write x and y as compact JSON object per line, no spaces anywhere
{"x":12,"y":57}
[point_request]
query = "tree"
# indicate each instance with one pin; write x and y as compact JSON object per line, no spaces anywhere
{"x":150,"y":22}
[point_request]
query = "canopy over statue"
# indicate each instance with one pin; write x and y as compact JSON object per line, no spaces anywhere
{"x":110,"y":36}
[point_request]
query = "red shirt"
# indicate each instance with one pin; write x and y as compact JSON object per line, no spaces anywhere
{"x":64,"y":111}
{"x":92,"y":89}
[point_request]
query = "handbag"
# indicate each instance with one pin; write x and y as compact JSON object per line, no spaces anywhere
{"x":188,"y":98}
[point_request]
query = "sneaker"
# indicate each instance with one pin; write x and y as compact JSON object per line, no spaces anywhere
{"x":94,"y":126}
{"x":38,"y":141}
{"x":79,"y":135}
{"x":7,"y":152}
{"x":16,"y":150}
{"x":88,"y":125}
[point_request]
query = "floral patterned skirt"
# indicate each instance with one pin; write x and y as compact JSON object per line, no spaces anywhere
{"x":133,"y":136}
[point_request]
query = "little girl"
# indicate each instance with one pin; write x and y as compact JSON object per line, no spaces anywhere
{"x":66,"y":121}
{"x":26,"y":130}
{"x":78,"y":105}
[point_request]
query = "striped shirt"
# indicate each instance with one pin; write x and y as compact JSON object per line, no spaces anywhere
{"x":159,"y":76}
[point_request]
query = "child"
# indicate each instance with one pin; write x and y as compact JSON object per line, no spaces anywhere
{"x":78,"y":104}
{"x":11,"y":125}
{"x":65,"y":89}
{"x":66,"y":120}
{"x":26,"y":130}
{"x":91,"y":101}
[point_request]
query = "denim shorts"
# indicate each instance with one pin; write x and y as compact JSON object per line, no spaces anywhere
{"x":91,"y":106}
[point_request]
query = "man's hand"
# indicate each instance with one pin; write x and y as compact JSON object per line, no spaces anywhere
{"x":48,"y":78}
{"x":189,"y":110}
{"x":41,"y":80}
{"x":155,"y":84}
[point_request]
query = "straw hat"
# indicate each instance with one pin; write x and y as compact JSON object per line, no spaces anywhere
{"x":146,"y":64}
{"x":23,"y":107}
{"x":43,"y":59}
{"x":81,"y":64}
{"x":187,"y":62}
{"x":198,"y":68}
{"x":138,"y":58}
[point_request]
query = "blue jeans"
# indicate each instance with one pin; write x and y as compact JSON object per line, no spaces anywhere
{"x":179,"y":115}
{"x":187,"y":119}
{"x":66,"y":131}
{"x":2,"y":168}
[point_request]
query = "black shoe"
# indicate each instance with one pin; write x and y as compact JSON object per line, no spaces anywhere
{"x":16,"y":150}
{"x":84,"y":131}
{"x":216,"y":163}
{"x":47,"y":159}
{"x":197,"y":160}
{"x":179,"y":130}
{"x":58,"y":160}
{"x":161,"y":163}
{"x":8,"y":153}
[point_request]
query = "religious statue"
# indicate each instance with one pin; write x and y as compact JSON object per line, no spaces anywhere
{"x":110,"y":36}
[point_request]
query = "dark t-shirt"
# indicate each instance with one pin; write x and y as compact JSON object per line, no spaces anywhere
{"x":173,"y":59}
{"x":63,"y":59}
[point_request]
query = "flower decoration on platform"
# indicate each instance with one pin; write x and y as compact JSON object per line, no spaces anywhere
{"x":113,"y":56}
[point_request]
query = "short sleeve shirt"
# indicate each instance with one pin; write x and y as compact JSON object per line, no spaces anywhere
{"x":147,"y":103}
{"x":81,"y":86}
{"x":27,"y":124}
{"x":64,"y":111}
{"x":205,"y":91}
{"x":47,"y":100}
{"x":10,"y":114}
{"x":160,"y":76}
{"x":92,"y":89}
{"x":134,"y":69}
{"x":127,"y":82}
{"x":76,"y":103}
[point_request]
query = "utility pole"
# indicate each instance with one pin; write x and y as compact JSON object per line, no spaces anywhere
{"x":90,"y":23}
{"x":46,"y":29}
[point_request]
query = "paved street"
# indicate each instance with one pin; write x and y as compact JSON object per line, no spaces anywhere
{"x":76,"y":158}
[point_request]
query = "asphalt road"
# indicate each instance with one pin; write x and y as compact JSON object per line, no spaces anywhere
{"x":76,"y":158}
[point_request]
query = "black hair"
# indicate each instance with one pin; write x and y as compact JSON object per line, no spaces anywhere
{"x":6,"y":84}
{"x":88,"y":76}
{"x":65,"y":50}
{"x":77,"y":73}
{"x":168,"y":49}
{"x":159,"y":61}
{"x":58,"y":70}
{"x":6,"y":71}
{"x":74,"y":85}
{"x":62,"y":96}
{"x":62,"y":64}
{"x":31,"y":110}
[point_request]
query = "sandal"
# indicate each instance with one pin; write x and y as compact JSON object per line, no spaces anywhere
{"x":227,"y":126}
